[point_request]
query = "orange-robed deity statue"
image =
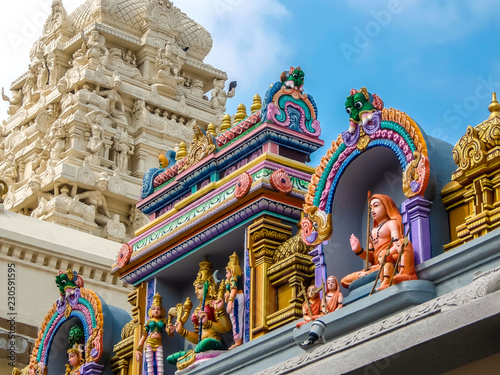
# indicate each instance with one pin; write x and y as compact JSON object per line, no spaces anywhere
{"x":387,"y":227}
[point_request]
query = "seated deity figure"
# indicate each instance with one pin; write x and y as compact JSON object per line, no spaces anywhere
{"x":387,"y":227}
{"x":116,"y":107}
{"x":209,"y":320}
{"x":311,"y":308}
{"x":96,"y":199}
{"x":151,"y":336}
{"x":332,"y":301}
{"x":95,"y":45}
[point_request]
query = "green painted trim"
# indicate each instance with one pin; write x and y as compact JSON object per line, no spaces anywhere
{"x":265,"y":212}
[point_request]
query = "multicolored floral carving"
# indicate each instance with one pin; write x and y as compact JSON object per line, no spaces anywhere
{"x":281,"y":181}
{"x":243,"y":185}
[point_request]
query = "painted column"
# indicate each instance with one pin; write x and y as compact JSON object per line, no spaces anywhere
{"x":91,"y":368}
{"x":416,"y":212}
{"x":318,"y":258}
{"x":264,"y":236}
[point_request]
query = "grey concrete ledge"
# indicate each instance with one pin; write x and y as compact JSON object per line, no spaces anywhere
{"x":475,"y":254}
{"x":372,"y":308}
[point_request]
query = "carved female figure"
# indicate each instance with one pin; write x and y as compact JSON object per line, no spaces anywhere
{"x":96,"y":140}
{"x":57,"y":136}
{"x":151,"y":336}
{"x":124,"y":149}
{"x":235,"y":299}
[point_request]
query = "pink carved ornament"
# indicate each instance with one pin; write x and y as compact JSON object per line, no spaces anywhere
{"x":124,"y":255}
{"x":281,"y":181}
{"x":243,"y":185}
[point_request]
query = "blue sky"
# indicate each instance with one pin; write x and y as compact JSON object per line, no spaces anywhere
{"x":438,"y":61}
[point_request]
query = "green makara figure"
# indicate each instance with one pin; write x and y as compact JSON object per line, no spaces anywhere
{"x":360,"y":105}
{"x":293,"y":79}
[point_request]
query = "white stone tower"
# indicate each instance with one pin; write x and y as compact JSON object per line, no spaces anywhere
{"x":108,"y":88}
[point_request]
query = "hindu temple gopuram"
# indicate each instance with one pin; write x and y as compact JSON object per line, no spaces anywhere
{"x":147,"y":231}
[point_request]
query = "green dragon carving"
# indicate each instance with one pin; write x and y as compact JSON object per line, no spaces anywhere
{"x":67,"y":282}
{"x":293,"y":79}
{"x":360,"y":105}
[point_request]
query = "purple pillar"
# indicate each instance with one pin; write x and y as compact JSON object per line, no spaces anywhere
{"x":415,"y":212}
{"x":319,"y":263}
{"x":91,"y":368}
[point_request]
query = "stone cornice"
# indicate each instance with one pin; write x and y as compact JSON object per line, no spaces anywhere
{"x":52,"y":262}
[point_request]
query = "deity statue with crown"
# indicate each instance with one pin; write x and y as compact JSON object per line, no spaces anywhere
{"x":209,"y":321}
{"x":235,"y":299}
{"x":75,"y":351}
{"x":151,"y":337}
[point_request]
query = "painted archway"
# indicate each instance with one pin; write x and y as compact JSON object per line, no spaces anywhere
{"x":386,"y":128}
{"x":82,"y":304}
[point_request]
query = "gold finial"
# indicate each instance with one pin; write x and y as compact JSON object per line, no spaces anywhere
{"x":205,"y":272}
{"x":494,"y":106}
{"x":234,"y":265}
{"x":211,"y":129}
{"x":241,"y":113}
{"x":226,"y":123}
{"x":182,"y":151}
{"x":257,"y":103}
{"x":157,"y":300}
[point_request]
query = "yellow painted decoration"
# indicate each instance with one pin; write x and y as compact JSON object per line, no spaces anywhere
{"x":472,"y":198}
{"x":211,"y":129}
{"x":241,"y":113}
{"x":182,"y":151}
{"x":257,"y":103}
{"x":226,"y":123}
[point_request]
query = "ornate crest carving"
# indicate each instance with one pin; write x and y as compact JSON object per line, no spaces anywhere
{"x":201,"y":146}
{"x":469,"y":151}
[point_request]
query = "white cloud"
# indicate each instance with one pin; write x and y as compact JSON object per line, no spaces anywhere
{"x":248,"y":39}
